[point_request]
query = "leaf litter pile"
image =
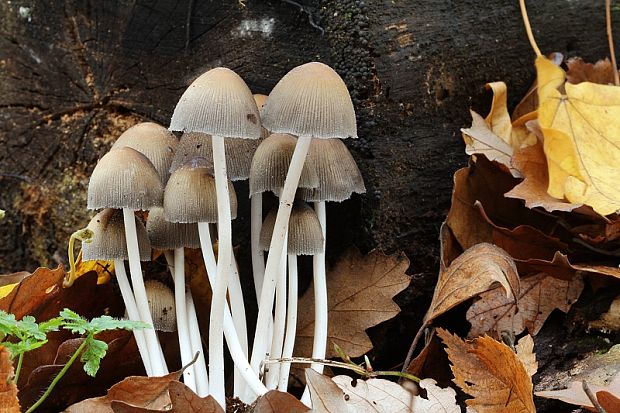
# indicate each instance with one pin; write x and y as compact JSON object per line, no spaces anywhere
{"x":532,"y":231}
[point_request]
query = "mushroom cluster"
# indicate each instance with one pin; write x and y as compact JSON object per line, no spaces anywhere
{"x":287,"y":143}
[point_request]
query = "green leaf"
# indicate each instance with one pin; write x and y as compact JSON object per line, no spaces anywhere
{"x":73,"y":322}
{"x":104,"y":323}
{"x":94,"y":352}
{"x":52,"y":324}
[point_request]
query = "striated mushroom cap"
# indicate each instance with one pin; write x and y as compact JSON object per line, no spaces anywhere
{"x":239,"y":153}
{"x":218,"y":103}
{"x":108,"y":242}
{"x":260,"y":103}
{"x":153,"y":141}
{"x":271,"y":162}
{"x":161,"y":305}
{"x":190,"y":194}
{"x":165,"y":235}
{"x":124,"y":178}
{"x":311,"y":100}
{"x":305,"y":236}
{"x":339,"y":176}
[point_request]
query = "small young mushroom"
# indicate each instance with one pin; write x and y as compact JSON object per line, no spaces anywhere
{"x":310,"y":101}
{"x":125,"y":178}
{"x":304,"y":237}
{"x":108,"y":243}
{"x":161,"y":303}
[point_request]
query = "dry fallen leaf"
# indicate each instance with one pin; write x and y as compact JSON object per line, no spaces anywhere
{"x":360,"y":289}
{"x":610,"y":320}
{"x":574,"y":394}
{"x":581,"y":139}
{"x":437,"y":400}
{"x":580,"y":71}
{"x":490,"y":372}
{"x":560,"y":267}
{"x":532,"y":164}
{"x":275,"y":401}
{"x":608,"y":401}
{"x":8,"y":390}
{"x":473,"y":272}
{"x":326,"y":396}
{"x":539,"y":295}
{"x":374,"y":395}
{"x":148,"y":392}
{"x":525,"y":353}
{"x":182,"y":400}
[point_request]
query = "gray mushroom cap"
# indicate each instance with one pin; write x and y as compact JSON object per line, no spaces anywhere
{"x":165,"y":235}
{"x":108,"y":242}
{"x":125,"y":178}
{"x":305,"y":236}
{"x":153,"y":141}
{"x":218,"y":103}
{"x":311,"y":100}
{"x":190,"y":194}
{"x":161,"y":305}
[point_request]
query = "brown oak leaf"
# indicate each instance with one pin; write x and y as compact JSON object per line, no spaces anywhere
{"x":275,"y":401}
{"x":8,"y":390}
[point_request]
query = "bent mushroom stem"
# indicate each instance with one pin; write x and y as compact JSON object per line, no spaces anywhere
{"x":258,"y":257}
{"x":200,"y":367}
{"x":182,"y":321}
{"x":232,"y":339}
{"x":158,"y":363}
{"x":261,"y":341}
{"x":132,"y":313}
{"x":291,"y":322}
{"x":237,"y":308}
{"x":279,"y":323}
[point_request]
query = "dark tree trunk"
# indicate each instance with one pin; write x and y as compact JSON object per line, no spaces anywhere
{"x":75,"y":74}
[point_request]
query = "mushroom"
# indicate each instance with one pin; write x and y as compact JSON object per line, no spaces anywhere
{"x":165,"y":235}
{"x":108,"y":243}
{"x":161,"y":303}
{"x":124,"y":178}
{"x":310,"y":101}
{"x":304,"y":237}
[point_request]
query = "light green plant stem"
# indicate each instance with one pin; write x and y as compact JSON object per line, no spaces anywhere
{"x":18,"y":369}
{"x":60,"y":374}
{"x":84,"y":235}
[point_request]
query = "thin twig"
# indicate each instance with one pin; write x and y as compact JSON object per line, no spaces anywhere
{"x":610,"y":40}
{"x":412,"y":347}
{"x":592,"y":397}
{"x":528,"y":28}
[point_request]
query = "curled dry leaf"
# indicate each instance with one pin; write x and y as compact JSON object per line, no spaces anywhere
{"x":182,"y":400}
{"x":560,"y":267}
{"x":275,"y":401}
{"x":148,"y":392}
{"x":8,"y":390}
{"x":361,"y":291}
{"x":473,"y":272}
{"x":525,"y":353}
{"x":581,"y":139}
{"x":539,"y":295}
{"x":579,"y":71}
{"x":490,"y":372}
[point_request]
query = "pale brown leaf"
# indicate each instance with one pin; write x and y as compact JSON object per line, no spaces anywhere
{"x":8,"y":390}
{"x":275,"y":401}
{"x":574,"y":394}
{"x":539,"y":295}
{"x":437,"y":400}
{"x":579,"y":71}
{"x":360,"y":291}
{"x":374,"y":395}
{"x":525,"y":353}
{"x":326,"y":396}
{"x":473,"y":272}
{"x":490,"y":372}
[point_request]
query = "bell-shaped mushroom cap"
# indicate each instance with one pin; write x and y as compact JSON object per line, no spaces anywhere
{"x":153,"y":141}
{"x":109,"y":242}
{"x":270,"y":165}
{"x":190,"y":194}
{"x":305,"y":236}
{"x":124,"y":178}
{"x":218,"y":103}
{"x":166,"y":235}
{"x":338,"y":173}
{"x":311,"y":100}
{"x":161,"y":305}
{"x":260,"y":103}
{"x":238,"y":153}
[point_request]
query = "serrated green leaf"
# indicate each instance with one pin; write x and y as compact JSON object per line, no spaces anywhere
{"x":52,"y":324}
{"x":73,"y":322}
{"x":94,"y":352}
{"x":104,"y":323}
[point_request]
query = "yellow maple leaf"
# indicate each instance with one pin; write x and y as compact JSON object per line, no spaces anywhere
{"x":103,"y":269}
{"x":581,"y":129}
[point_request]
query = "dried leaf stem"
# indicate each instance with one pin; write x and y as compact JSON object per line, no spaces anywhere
{"x":528,"y":28}
{"x":592,"y":397}
{"x":610,"y":40}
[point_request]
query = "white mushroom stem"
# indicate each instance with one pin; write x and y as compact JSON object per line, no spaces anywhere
{"x":237,"y":308}
{"x":158,"y":363}
{"x":182,"y":322}
{"x":132,"y":313}
{"x":258,"y":257}
{"x":279,"y":324}
{"x":200,"y":368}
{"x":291,"y":322}
{"x":319,"y":343}
{"x":261,"y":340}
{"x":218,"y":302}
